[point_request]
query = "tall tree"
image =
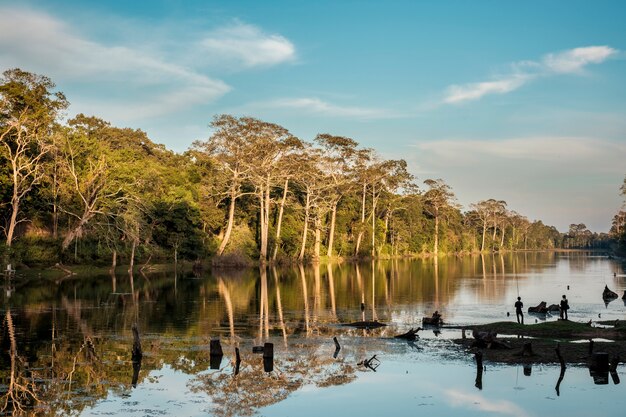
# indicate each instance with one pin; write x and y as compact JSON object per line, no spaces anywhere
{"x":231,"y":147}
{"x":338,"y":162}
{"x":28,"y":113}
{"x":438,"y":199}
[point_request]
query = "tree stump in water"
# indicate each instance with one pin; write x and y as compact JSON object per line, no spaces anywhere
{"x":216,"y":353}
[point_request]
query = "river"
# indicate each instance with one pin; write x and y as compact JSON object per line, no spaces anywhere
{"x":66,"y":341}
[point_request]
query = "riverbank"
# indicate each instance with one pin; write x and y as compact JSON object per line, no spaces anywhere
{"x":573,"y":338}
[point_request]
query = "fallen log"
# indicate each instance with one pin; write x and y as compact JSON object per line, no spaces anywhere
{"x":410,"y":335}
{"x":365,"y":324}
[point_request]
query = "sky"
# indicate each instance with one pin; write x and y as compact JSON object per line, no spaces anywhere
{"x":518,"y":101}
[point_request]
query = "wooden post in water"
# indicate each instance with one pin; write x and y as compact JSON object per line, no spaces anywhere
{"x":216,"y":353}
{"x":136,"y":355}
{"x":562,"y":374}
{"x":268,"y":357}
{"x":479,"y":370}
{"x":337,"y":347}
{"x":237,"y":361}
{"x":136,"y":352}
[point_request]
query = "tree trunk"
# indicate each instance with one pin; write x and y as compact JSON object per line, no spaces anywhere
{"x":360,"y":236}
{"x":132,"y":257}
{"x":114,"y":260}
{"x":502,"y":238}
{"x":331,"y":232}
{"x":265,"y":222}
{"x":306,"y":226}
{"x":318,"y":239}
{"x":229,"y":225}
{"x":78,"y":230}
{"x":15,"y":206}
{"x":436,"y":232}
{"x":280,"y":220}
{"x":482,"y":245}
{"x":373,"y":220}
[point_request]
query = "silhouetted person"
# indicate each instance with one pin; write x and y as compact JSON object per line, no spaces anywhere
{"x":564,"y":307}
{"x":518,"y":310}
{"x":436,"y":317}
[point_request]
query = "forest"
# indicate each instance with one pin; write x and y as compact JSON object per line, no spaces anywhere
{"x":82,"y":191}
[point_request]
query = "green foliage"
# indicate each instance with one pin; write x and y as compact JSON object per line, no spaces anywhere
{"x":36,"y":251}
{"x":103,"y":188}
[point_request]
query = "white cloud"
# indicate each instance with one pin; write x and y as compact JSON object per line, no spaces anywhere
{"x":571,"y":61}
{"x":501,"y":407}
{"x":41,"y":43}
{"x":247,"y":45}
{"x":474,"y":91}
{"x":318,"y":106}
{"x":130,"y":82}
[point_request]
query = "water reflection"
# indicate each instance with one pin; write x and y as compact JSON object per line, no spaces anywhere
{"x":69,"y":341}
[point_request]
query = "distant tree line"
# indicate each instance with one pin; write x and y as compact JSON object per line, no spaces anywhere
{"x":617,"y":234}
{"x":88,"y":192}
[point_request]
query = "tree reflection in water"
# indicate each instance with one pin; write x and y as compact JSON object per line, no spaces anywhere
{"x":21,"y":390}
{"x":253,"y":388}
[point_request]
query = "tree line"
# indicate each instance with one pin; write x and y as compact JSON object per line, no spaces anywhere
{"x":85,"y":191}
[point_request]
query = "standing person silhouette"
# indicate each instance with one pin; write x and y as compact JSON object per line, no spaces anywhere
{"x":518,"y":310}
{"x":564,"y":308}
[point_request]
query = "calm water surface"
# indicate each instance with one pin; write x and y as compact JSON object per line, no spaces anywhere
{"x":67,"y":341}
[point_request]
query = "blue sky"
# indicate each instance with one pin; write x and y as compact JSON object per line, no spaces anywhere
{"x":520,"y":101}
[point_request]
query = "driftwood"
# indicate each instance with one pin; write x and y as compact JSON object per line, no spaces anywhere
{"x":488,"y":340}
{"x":371,"y":363}
{"x":365,"y":324}
{"x":607,"y":294}
{"x":410,"y":335}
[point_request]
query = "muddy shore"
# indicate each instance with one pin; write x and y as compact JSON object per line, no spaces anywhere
{"x":574,"y":339}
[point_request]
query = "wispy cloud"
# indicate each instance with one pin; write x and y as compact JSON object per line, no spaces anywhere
{"x":501,"y":407}
{"x":246,"y":45}
{"x":131,"y":82}
{"x":315,"y":105}
{"x":54,"y":49}
{"x":572,"y":61}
